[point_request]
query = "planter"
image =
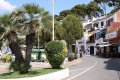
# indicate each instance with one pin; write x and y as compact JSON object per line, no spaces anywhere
{"x":59,"y":75}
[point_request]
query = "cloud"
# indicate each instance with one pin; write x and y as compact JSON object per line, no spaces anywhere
{"x":5,"y":5}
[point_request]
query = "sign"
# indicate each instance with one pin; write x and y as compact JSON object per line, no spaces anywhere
{"x":111,"y":35}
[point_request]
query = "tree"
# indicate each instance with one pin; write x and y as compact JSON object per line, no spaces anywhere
{"x":2,"y":30}
{"x":45,"y":36}
{"x":93,"y":9}
{"x":114,"y":3}
{"x":46,"y":30}
{"x":64,"y":13}
{"x":80,"y":10}
{"x":11,"y":35}
{"x":28,"y":18}
{"x":33,"y":12}
{"x":59,"y":31}
{"x":103,"y":4}
{"x":73,"y":30}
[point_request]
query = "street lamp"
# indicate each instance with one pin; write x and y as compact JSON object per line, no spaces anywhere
{"x":53,"y":1}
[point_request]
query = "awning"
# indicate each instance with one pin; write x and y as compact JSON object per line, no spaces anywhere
{"x":99,"y":33}
{"x":103,"y":45}
{"x":102,"y":31}
{"x":90,"y":34}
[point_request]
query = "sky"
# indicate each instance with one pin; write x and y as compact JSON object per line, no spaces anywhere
{"x":9,"y":5}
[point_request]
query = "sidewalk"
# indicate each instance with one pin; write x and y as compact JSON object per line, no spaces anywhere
{"x":69,"y":63}
{"x":4,"y":67}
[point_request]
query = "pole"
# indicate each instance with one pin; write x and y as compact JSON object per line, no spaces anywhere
{"x":53,"y":20}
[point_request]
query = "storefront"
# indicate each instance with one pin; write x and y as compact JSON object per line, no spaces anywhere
{"x":113,"y":37}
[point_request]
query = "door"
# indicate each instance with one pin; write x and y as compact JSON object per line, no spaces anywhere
{"x":91,"y":50}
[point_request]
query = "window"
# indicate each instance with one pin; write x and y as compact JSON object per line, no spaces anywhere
{"x":109,"y":21}
{"x":96,"y":25}
{"x":102,"y":23}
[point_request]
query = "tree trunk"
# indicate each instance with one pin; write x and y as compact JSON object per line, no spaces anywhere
{"x":15,"y":46}
{"x":0,"y":44}
{"x":70,"y":48}
{"x":30,"y":39}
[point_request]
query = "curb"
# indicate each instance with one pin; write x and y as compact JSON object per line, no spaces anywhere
{"x":59,"y":75}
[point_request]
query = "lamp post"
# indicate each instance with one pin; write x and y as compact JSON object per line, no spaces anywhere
{"x":53,"y":1}
{"x":53,"y":21}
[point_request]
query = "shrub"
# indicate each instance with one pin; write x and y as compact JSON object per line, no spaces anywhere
{"x":3,"y":58}
{"x":8,"y":58}
{"x":71,"y":56}
{"x":15,"y":66}
{"x":22,"y":67}
{"x":55,"y":53}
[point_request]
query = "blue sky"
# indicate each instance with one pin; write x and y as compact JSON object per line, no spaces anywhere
{"x":9,"y":5}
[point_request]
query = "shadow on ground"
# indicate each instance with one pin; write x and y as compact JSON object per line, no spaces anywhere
{"x":113,"y":64}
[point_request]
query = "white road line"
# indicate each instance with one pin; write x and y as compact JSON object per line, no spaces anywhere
{"x":83,"y":71}
{"x":78,"y":69}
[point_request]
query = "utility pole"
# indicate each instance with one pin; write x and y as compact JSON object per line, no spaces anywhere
{"x":53,"y":1}
{"x":53,"y":21}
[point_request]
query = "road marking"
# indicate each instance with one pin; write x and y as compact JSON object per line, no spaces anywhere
{"x":83,"y":71}
{"x":78,"y":69}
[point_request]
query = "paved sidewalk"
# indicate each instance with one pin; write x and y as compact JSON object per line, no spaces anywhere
{"x":69,"y":63}
{"x":4,"y":68}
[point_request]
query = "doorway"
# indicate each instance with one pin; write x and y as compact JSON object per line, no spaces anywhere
{"x":91,"y":50}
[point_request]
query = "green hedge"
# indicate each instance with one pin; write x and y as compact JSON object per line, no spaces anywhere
{"x":56,"y":53}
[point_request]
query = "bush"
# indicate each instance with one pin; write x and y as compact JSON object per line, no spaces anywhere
{"x":24,"y":68}
{"x":3,"y":58}
{"x":71,"y":56}
{"x":6,"y":58}
{"x":56,"y":52}
{"x":16,"y":66}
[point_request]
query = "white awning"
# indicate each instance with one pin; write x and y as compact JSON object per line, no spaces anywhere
{"x":104,"y":45}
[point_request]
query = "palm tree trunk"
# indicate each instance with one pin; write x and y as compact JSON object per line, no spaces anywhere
{"x":15,"y":46}
{"x":30,"y":39}
{"x":0,"y":44}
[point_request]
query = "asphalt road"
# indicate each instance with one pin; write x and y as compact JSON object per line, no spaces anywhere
{"x":94,"y":68}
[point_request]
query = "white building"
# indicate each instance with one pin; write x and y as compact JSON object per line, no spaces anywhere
{"x":95,"y":31}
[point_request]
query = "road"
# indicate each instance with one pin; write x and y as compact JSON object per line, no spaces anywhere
{"x":94,"y":68}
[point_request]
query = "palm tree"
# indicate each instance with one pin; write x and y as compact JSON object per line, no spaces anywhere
{"x":35,"y":14}
{"x":29,"y":19}
{"x":10,"y":34}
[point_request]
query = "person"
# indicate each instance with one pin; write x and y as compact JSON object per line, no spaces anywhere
{"x":87,"y":50}
{"x":81,"y":52}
